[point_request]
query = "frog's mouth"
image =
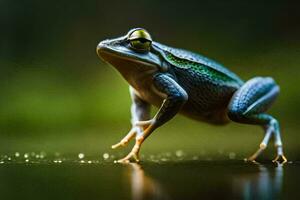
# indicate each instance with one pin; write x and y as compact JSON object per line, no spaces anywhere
{"x":127,"y":65}
{"x":116,"y":59}
{"x":121,"y":57}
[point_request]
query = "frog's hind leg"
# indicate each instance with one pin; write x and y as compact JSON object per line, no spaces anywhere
{"x":248,"y":105}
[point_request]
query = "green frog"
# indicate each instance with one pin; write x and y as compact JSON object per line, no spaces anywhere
{"x":180,"y":81}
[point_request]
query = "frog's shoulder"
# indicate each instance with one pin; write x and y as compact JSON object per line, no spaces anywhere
{"x":197,"y":58}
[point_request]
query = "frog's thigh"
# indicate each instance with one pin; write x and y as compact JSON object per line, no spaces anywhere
{"x":253,"y":98}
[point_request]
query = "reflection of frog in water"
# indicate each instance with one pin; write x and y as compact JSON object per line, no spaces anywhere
{"x":260,"y":185}
{"x":143,"y":186}
{"x":249,"y":182}
{"x":179,"y":81}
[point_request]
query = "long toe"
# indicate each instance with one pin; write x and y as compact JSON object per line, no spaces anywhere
{"x":130,"y":157}
{"x":115,"y":146}
{"x":250,"y":159}
{"x":123,"y":160}
{"x":120,"y":144}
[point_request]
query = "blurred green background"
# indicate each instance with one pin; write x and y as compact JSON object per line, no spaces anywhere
{"x":57,"y":96}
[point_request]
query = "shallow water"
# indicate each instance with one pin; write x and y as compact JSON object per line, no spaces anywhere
{"x":42,"y":176}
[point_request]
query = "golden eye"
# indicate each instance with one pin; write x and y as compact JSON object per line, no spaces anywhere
{"x":140,"y":44}
{"x":140,"y":39}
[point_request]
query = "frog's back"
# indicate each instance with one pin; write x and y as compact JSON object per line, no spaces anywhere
{"x":209,"y":85}
{"x":186,"y":57}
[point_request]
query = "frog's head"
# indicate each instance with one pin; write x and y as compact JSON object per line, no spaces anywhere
{"x":133,"y":51}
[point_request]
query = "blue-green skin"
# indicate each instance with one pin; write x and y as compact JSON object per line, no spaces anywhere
{"x":179,"y":81}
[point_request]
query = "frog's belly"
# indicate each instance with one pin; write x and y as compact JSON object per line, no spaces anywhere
{"x":214,"y":116}
{"x":198,"y":106}
{"x":208,"y":104}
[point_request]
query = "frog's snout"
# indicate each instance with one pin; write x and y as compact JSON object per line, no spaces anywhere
{"x":101,"y":46}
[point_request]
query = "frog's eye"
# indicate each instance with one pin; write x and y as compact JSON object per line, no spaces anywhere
{"x":140,"y":39}
{"x":140,"y":44}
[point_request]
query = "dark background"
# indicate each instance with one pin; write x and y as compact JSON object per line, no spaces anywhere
{"x":57,"y":96}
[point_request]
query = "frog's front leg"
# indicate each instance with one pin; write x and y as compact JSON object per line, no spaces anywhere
{"x":176,"y":96}
{"x":140,"y":111}
{"x":248,"y":105}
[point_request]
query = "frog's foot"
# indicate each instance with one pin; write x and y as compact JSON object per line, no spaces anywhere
{"x":137,"y":129}
{"x":126,"y":139}
{"x":262,"y":147}
{"x":134,"y":154}
{"x":139,"y":139}
{"x":280,"y":156}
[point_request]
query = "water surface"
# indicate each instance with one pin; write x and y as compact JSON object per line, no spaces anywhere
{"x":42,"y":176}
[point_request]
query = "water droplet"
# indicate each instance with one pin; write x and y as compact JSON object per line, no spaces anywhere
{"x":42,"y":154}
{"x":80,"y":155}
{"x":82,"y":161}
{"x":231,"y":155}
{"x":26,"y":155}
{"x":57,"y":161}
{"x":27,"y":160}
{"x":17,"y":154}
{"x":9,"y":158}
{"x":37,"y":156}
{"x":105,"y":156}
{"x":179,"y":153}
{"x":89,"y":161}
{"x":1,"y":162}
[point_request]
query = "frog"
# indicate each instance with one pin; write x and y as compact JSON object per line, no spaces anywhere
{"x":178,"y":81}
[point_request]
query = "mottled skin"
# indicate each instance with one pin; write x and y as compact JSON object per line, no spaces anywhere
{"x":179,"y":81}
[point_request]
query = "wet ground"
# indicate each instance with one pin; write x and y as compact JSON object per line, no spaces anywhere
{"x":37,"y":175}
